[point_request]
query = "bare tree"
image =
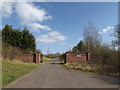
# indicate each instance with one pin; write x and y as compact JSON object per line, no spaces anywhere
{"x":92,"y":37}
{"x":92,"y":40}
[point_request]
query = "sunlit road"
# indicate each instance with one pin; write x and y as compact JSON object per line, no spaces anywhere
{"x":53,"y":75}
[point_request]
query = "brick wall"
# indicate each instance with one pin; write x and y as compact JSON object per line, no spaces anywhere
{"x":77,"y":57}
{"x":31,"y":58}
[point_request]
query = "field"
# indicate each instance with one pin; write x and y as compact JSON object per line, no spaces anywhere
{"x":13,"y":70}
{"x":45,"y":59}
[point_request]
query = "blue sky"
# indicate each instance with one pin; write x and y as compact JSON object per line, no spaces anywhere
{"x":59,"y":25}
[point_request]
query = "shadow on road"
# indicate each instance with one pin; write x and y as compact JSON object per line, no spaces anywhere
{"x":58,"y":63}
{"x":107,"y":79}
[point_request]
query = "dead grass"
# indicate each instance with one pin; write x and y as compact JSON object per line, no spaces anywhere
{"x":93,"y":68}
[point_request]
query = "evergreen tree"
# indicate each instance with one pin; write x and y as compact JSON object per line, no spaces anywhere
{"x":22,"y":39}
{"x":78,"y":48}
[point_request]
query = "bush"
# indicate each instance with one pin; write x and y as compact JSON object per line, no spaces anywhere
{"x":10,"y":52}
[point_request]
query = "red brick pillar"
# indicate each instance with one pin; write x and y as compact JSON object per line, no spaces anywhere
{"x":88,"y":56}
{"x":67,"y":57}
{"x":37,"y":57}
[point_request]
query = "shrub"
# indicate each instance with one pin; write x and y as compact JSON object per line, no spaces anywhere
{"x":10,"y":52}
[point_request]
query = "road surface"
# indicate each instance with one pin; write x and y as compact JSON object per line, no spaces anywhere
{"x":53,"y":75}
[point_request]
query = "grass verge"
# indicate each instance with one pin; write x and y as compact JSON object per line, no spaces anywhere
{"x":89,"y":68}
{"x":13,"y":70}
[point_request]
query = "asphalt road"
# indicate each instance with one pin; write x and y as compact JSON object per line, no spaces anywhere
{"x":53,"y":75}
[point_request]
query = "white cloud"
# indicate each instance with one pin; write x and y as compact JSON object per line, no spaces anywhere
{"x":51,"y":37}
{"x":37,"y":27}
{"x":7,"y":9}
{"x":106,"y":29}
{"x":28,"y":13}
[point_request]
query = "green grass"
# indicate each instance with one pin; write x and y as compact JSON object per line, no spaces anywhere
{"x":13,"y":70}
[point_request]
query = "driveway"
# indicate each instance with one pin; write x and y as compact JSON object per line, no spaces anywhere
{"x":53,"y":75}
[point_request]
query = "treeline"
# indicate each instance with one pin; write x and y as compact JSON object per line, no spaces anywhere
{"x":17,"y":41}
{"x":56,"y":55}
{"x":104,"y":55}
